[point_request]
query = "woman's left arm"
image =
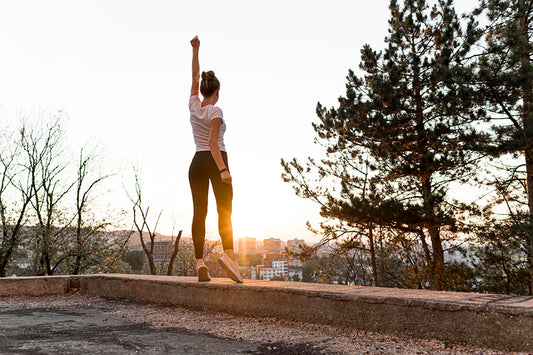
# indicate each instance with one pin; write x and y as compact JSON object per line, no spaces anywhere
{"x":214,"y":131}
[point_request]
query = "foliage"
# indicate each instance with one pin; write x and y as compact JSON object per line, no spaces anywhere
{"x":135,"y":258}
{"x":502,"y":254}
{"x":398,"y":138}
{"x":505,"y":90}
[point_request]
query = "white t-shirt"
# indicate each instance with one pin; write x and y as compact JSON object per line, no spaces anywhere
{"x":201,"y":118}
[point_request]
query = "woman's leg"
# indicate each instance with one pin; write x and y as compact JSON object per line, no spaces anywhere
{"x":224,"y":198}
{"x":199,"y":182}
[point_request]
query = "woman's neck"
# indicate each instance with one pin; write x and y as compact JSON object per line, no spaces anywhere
{"x":209,"y":101}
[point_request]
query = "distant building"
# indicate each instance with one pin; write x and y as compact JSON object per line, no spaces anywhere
{"x":281,"y":265}
{"x":272,"y":246}
{"x":294,"y":244}
{"x":162,"y":250}
{"x":247,"y":246}
{"x":279,"y":268}
{"x":270,"y":257}
{"x":324,"y":251}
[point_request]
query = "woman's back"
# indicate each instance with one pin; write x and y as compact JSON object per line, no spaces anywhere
{"x":201,"y":118}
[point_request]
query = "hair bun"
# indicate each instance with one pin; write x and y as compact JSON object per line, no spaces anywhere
{"x":208,"y":75}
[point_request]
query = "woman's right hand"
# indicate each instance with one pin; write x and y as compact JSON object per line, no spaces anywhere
{"x":195,"y":42}
{"x":226,"y":177}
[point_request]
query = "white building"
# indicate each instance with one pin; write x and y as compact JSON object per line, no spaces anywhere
{"x":279,"y":268}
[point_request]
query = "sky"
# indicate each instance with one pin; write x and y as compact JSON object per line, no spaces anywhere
{"x":120,"y":70}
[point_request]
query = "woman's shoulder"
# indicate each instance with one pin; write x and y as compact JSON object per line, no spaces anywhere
{"x":194,"y":102}
{"x":215,"y":112}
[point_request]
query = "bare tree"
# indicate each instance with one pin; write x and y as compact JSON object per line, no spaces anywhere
{"x":47,"y":205}
{"x":11,"y":214}
{"x":175,"y":250}
{"x":43,"y":149}
{"x":86,"y":229}
{"x":140,"y":220}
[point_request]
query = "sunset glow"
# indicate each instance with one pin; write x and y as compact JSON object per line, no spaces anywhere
{"x":121,"y":73}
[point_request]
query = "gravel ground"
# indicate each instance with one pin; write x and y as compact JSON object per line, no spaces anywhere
{"x":279,"y":336}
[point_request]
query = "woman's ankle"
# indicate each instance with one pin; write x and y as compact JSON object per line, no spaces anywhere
{"x":230,"y":254}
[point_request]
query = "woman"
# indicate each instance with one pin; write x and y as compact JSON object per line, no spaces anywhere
{"x":210,"y":163}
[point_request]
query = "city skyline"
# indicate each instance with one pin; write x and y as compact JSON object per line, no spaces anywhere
{"x":135,"y":240}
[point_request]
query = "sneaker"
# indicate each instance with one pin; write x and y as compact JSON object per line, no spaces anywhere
{"x":231,"y":268}
{"x":203,"y":274}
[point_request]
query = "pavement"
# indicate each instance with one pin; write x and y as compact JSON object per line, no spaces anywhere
{"x":122,"y":314}
{"x":69,"y":329}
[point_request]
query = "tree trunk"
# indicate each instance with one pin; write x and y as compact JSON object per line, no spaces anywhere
{"x":150,"y":256}
{"x":438,"y":259}
{"x":7,"y":251}
{"x":148,"y":252}
{"x":174,"y":254}
{"x":12,"y":242}
{"x":77,"y":264}
{"x":529,"y":172}
{"x":49,"y":271}
{"x":46,"y":250}
{"x":79,"y":251}
{"x":427,"y":252}
{"x":437,"y":262}
{"x":373,"y":254}
{"x":527,"y":119}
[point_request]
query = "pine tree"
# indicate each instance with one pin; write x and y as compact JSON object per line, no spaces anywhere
{"x":505,"y":75}
{"x":411,"y":113}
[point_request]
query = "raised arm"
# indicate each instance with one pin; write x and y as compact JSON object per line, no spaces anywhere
{"x":195,"y":43}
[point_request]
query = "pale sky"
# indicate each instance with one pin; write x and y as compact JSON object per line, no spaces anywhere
{"x":121,"y":70}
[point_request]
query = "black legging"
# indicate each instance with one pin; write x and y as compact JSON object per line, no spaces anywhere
{"x":203,"y":168}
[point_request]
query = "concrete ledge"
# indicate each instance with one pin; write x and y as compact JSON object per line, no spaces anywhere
{"x":33,"y":286}
{"x":495,"y":321}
